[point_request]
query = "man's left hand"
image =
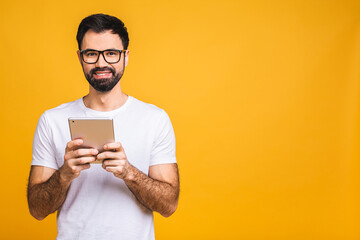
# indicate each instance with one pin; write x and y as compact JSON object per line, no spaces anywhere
{"x":115,"y":160}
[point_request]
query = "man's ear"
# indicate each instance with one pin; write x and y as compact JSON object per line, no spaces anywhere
{"x":79,"y":57}
{"x":126,"y":57}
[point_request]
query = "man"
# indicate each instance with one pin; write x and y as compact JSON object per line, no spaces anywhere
{"x":138,"y":174}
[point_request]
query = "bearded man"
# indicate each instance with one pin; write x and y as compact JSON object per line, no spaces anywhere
{"x":138,"y":174}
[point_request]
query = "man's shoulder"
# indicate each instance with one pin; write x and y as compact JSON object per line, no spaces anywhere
{"x":146,"y":108}
{"x":63,"y":109}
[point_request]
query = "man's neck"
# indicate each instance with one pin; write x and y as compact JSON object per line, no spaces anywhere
{"x":105,"y":101}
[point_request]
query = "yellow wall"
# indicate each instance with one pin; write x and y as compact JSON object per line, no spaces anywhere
{"x":263,"y":96}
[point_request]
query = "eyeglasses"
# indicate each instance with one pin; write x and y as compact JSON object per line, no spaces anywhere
{"x":91,"y":56}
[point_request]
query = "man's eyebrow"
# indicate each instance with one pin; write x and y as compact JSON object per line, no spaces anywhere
{"x":88,"y":49}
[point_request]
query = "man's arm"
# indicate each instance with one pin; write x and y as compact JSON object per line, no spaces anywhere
{"x":47,"y":187}
{"x":158,"y":192}
{"x":46,"y":192}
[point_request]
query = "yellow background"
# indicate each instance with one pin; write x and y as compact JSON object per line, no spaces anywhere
{"x":263,"y":97}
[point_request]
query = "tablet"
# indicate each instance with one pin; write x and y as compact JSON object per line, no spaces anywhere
{"x":94,"y":131}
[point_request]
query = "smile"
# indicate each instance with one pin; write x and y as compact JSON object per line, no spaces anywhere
{"x":102,"y":74}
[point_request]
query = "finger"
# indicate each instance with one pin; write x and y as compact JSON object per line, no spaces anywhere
{"x":113,"y":163}
{"x":73,"y":143}
{"x":111,"y":155}
{"x":83,"y":166}
{"x":84,"y":160}
{"x":81,"y":153}
{"x":78,"y":168}
{"x":114,"y":169}
{"x":115,"y":146}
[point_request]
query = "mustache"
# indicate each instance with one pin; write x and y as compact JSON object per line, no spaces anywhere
{"x":92,"y":71}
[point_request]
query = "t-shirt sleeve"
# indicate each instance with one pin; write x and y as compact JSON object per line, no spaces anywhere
{"x":163,"y":150}
{"x":43,"y":150}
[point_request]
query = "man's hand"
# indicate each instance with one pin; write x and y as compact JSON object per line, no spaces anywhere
{"x":157,"y":192}
{"x":76,"y":159}
{"x":115,"y":160}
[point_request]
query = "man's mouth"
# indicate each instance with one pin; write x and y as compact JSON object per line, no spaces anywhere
{"x":102,"y":74}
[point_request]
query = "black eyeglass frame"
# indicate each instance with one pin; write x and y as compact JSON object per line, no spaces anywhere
{"x":102,"y":53}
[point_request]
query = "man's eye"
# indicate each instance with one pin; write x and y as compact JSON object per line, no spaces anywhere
{"x":111,"y":53}
{"x":91,"y":54}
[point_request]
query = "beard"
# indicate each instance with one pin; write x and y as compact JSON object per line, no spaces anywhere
{"x":103,"y":84}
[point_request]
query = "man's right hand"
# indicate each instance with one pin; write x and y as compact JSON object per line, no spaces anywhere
{"x":76,"y":159}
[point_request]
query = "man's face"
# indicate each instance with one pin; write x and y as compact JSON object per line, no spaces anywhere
{"x":103,"y":76}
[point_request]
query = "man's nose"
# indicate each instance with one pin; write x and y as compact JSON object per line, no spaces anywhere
{"x":101,"y":61}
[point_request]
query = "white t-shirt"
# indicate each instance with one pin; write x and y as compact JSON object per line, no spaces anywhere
{"x":98,"y":204}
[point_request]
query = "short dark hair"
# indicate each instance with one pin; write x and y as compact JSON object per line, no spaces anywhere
{"x":100,"y":23}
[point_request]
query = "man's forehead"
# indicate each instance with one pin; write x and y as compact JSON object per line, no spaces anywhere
{"x":101,"y":41}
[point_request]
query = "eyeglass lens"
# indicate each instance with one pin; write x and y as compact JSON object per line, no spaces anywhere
{"x":111,"y":56}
